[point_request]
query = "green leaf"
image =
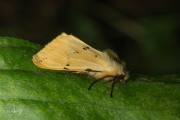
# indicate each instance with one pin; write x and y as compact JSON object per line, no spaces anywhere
{"x":31,"y":93}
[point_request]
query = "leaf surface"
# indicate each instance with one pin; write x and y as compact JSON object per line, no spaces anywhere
{"x":31,"y":93}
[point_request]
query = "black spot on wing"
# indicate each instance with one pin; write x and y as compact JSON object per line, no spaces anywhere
{"x":86,"y":48}
{"x":76,"y":52}
{"x":67,"y":64}
{"x":90,"y":70}
{"x":38,"y":60}
{"x":44,"y":58}
{"x":66,"y":68}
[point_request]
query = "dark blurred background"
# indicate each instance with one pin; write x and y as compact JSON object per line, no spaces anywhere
{"x":145,"y":33}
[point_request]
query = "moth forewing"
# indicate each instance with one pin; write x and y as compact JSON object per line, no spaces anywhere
{"x":68,"y":53}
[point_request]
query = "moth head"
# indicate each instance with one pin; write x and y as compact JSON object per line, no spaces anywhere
{"x":123,"y":77}
{"x":125,"y":74}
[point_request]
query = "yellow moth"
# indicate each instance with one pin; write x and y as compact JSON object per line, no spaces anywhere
{"x":68,"y":53}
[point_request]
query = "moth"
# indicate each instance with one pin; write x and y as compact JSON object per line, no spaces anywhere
{"x":68,"y":53}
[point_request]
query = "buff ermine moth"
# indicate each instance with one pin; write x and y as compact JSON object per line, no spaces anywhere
{"x":68,"y":53}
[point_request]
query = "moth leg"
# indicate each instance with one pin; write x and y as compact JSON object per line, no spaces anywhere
{"x":114,"y":81}
{"x":98,"y":80}
{"x":93,"y":84}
